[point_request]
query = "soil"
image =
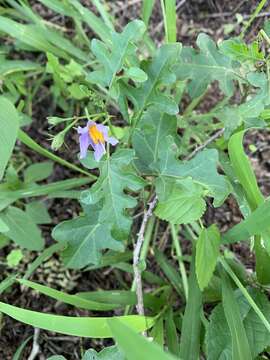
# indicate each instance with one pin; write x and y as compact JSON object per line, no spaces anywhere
{"x":215,"y":18}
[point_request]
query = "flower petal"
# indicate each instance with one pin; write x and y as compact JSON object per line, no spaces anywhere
{"x":113,"y":141}
{"x":104,"y":129}
{"x":84,"y":143}
{"x":82,"y":130}
{"x":99,"y":151}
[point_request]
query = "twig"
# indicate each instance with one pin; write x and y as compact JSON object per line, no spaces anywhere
{"x":136,"y":256}
{"x":35,"y":348}
{"x":201,"y":147}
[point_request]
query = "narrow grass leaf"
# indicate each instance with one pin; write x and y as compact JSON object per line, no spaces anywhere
{"x":240,"y":344}
{"x":19,"y":352}
{"x":191,"y":325}
{"x":170,"y":272}
{"x":171,"y":333}
{"x":134,"y":345}
{"x":74,"y":300}
{"x":75,"y":326}
{"x":147,"y":9}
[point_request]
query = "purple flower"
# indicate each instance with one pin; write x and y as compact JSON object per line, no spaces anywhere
{"x":95,"y":135}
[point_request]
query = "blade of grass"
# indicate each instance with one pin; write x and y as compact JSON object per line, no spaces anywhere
{"x":120,"y":297}
{"x":95,"y":23}
{"x":171,"y":333}
{"x":43,"y":190}
{"x":191,"y":325}
{"x":251,"y":19}
{"x":134,"y":345}
{"x":75,"y":326}
{"x":169,"y":18}
{"x":245,"y":293}
{"x":103,"y":13}
{"x":147,"y":9}
{"x":74,"y":300}
{"x":169,"y":271}
{"x":245,"y":174}
{"x":240,"y":345}
{"x":46,"y":254}
{"x":19,"y":351}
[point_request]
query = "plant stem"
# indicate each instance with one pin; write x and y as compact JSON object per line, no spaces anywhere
{"x":28,"y":141}
{"x":182,"y":268}
{"x":256,"y":12}
{"x":136,"y":256}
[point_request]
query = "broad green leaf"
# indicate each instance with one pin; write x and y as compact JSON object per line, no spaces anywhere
{"x":14,"y":257}
{"x":86,"y":238}
{"x":218,"y":339}
{"x":149,"y":135}
{"x":207,"y":252}
{"x":136,"y":346}
{"x":112,"y":59}
{"x":109,"y":353}
{"x":237,"y":49}
{"x":38,"y":172}
{"x":191,"y":325}
{"x":156,"y":143}
{"x":202,"y":169}
{"x":205,"y":66}
{"x":56,"y":357}
{"x":136,"y":74}
{"x":149,"y":93}
{"x":247,"y":112}
{"x":3,"y":226}
{"x":75,"y":326}
{"x":22,"y":230}
{"x":9,"y":126}
{"x":240,"y":344}
{"x":116,"y":175}
{"x":38,"y":212}
{"x":180,"y":201}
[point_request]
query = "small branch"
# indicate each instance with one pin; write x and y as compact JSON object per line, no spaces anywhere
{"x":35,"y":348}
{"x":136,"y":256}
{"x":201,"y":147}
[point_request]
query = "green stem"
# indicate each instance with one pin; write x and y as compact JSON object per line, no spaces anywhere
{"x":245,"y":293}
{"x":28,"y":141}
{"x":256,"y":12}
{"x":194,"y":103}
{"x":182,"y":268}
